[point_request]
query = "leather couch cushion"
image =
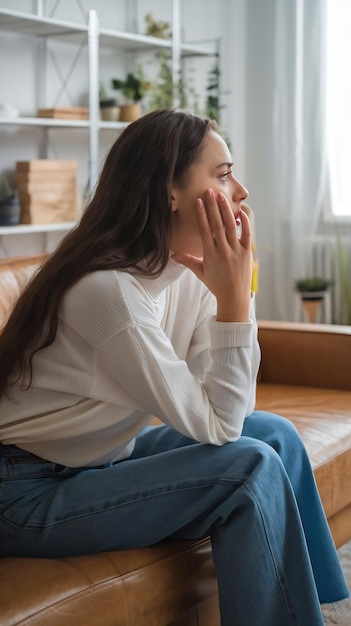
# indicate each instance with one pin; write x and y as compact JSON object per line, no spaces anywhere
{"x":144,"y":586}
{"x":323,"y":418}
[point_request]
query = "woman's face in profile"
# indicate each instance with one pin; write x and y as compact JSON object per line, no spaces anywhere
{"x":213,"y":169}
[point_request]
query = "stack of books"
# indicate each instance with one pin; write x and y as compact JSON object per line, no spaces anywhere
{"x":47,"y":190}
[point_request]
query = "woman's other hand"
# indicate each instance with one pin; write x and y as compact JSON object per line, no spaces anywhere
{"x":226,"y":266}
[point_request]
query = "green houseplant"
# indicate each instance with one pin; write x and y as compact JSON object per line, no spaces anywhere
{"x":154,"y":28}
{"x":133,"y":88}
{"x":312,"y":291}
{"x":213,"y":107}
{"x":162,"y":89}
{"x":312,"y":285}
{"x":165,"y":92}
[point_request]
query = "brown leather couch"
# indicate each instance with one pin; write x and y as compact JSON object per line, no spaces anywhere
{"x":306,"y":376}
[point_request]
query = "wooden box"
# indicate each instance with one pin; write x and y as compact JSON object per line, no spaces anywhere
{"x":47,"y":190}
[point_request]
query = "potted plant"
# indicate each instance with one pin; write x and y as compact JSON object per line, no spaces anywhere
{"x":313,"y":287}
{"x":162,"y":90}
{"x":165,"y":92}
{"x":134,"y":88}
{"x":312,"y":291}
{"x":213,"y":107}
{"x":109,"y":109}
{"x":9,"y":203}
{"x":156,"y":28}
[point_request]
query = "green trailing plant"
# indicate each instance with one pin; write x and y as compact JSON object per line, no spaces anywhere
{"x":188,"y":96}
{"x":213,"y":107}
{"x":162,"y":89}
{"x":162,"y":92}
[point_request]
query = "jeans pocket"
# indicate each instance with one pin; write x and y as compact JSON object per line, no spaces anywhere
{"x":26,"y":466}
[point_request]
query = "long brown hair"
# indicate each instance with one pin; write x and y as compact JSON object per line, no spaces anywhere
{"x":127,"y":222}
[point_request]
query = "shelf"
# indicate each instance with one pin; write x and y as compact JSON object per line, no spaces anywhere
{"x":130,"y":41}
{"x":193,"y":49}
{"x":25,"y":229}
{"x":135,"y":41}
{"x":50,"y":122}
{"x":112,"y":125}
{"x":36,"y":26}
{"x":43,"y":121}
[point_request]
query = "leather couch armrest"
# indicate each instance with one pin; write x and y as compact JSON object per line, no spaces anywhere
{"x":311,"y":355}
{"x":14,"y":274}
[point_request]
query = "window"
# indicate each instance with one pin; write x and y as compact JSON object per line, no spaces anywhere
{"x":338,"y":104}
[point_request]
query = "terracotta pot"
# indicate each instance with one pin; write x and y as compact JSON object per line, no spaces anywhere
{"x":129,"y":112}
{"x":311,"y":303}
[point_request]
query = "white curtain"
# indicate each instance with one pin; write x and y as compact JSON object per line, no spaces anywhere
{"x":299,"y":140}
{"x":285,"y":141}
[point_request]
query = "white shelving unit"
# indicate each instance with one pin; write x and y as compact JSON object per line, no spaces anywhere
{"x":42,"y":122}
{"x":25,"y":229}
{"x":95,"y":38}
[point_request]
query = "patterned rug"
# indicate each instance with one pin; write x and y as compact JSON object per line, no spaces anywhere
{"x":343,"y":615}
{"x":345,"y":559}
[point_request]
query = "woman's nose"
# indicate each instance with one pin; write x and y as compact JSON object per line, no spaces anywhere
{"x":240,"y":192}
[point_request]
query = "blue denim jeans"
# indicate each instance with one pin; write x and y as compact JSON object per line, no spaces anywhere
{"x":256,"y":498}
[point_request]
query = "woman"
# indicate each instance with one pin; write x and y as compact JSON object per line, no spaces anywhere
{"x":145,"y":309}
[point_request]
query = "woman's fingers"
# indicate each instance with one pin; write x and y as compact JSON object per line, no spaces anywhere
{"x":228,"y":220}
{"x":218,"y":224}
{"x":245,"y":237}
{"x":205,"y":227}
{"x":214,"y":217}
{"x":226,"y":264}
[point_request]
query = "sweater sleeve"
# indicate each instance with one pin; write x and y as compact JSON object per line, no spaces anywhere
{"x":199,"y":355}
{"x":211,"y":410}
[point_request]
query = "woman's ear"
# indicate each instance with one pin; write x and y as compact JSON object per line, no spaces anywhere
{"x":174,"y":201}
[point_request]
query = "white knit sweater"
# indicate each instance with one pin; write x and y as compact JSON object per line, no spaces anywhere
{"x":129,"y":348}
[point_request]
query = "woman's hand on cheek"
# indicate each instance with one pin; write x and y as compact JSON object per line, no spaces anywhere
{"x":226,"y":264}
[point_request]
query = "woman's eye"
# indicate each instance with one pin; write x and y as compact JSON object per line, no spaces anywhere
{"x":225,"y":175}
